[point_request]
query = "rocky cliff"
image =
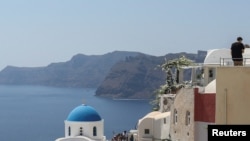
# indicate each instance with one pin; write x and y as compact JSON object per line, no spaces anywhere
{"x":138,"y":77}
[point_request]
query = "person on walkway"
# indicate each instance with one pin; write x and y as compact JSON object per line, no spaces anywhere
{"x":237,"y":49}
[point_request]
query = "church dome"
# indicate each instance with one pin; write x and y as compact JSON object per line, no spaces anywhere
{"x":83,"y":113}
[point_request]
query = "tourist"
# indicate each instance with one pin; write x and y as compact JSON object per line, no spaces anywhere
{"x":237,"y":49}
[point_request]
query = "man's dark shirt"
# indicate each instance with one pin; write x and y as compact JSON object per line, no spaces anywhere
{"x":236,"y":50}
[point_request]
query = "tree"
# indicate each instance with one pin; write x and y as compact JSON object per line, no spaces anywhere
{"x":172,"y":85}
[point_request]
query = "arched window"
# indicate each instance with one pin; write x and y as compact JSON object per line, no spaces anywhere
{"x":94,"y":131}
{"x":69,"y":131}
{"x":188,"y":120}
{"x":175,"y":116}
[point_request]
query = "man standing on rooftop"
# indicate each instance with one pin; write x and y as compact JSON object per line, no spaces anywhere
{"x":237,"y":49}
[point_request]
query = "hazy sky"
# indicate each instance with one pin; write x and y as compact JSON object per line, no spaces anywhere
{"x":38,"y":32}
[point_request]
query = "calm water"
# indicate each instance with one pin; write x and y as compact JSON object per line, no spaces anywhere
{"x":36,"y":113}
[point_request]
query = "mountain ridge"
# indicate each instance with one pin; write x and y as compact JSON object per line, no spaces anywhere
{"x":73,"y":73}
{"x":118,"y":74}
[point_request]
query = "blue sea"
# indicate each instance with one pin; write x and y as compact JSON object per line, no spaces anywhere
{"x":37,"y":113}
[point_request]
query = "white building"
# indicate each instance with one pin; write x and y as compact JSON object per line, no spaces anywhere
{"x":83,"y":124}
{"x":153,"y":126}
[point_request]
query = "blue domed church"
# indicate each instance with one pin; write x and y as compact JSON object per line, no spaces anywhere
{"x":83,"y":124}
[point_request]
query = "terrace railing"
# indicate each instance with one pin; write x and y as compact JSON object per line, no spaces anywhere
{"x":229,"y":62}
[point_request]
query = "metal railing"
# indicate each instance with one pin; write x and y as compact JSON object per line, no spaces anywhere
{"x":229,"y":61}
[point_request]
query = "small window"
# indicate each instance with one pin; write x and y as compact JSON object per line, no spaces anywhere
{"x":81,"y":131}
{"x":188,"y":120}
{"x":175,"y":116}
{"x":146,"y":131}
{"x":94,"y":131}
{"x":69,"y":131}
{"x":164,"y":120}
{"x":210,"y":72}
